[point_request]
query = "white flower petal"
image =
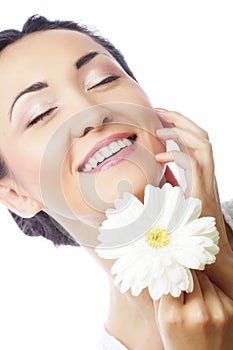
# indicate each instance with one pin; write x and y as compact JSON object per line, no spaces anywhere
{"x":173,"y":197}
{"x":201,"y":226}
{"x":178,"y":210}
{"x":214,"y":249}
{"x":190,"y":286}
{"x":188,"y":209}
{"x":156,"y":290}
{"x":114,"y":253}
{"x":130,"y":233}
{"x":118,"y":278}
{"x":173,"y":280}
{"x":125,"y":285}
{"x":189,"y":259}
{"x":139,"y":284}
{"x":192,"y":241}
{"x":195,"y":252}
{"x":126,"y":210}
{"x":136,"y":290}
{"x":135,"y":274}
{"x":125,"y":260}
{"x":154,"y":201}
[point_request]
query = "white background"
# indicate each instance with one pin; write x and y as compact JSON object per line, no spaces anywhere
{"x":181,"y":52}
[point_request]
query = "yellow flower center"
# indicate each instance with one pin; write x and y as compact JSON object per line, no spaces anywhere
{"x":157,"y":237}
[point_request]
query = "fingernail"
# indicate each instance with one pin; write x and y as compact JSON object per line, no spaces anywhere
{"x":163,"y":113}
{"x":163,"y":132}
{"x":161,"y":156}
{"x":165,"y":157}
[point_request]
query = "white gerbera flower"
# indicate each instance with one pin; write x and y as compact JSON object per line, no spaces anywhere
{"x":158,"y":242}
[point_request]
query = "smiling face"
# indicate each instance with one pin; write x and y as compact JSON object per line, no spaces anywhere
{"x":75,"y":129}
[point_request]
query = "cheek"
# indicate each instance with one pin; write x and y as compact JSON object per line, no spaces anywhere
{"x":25,"y":168}
{"x":129,"y":91}
{"x":132,"y":176}
{"x":77,"y":194}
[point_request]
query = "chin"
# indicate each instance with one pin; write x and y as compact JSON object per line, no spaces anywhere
{"x":96,"y":193}
{"x":127,"y":178}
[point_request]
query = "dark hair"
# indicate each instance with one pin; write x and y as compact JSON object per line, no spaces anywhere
{"x":3,"y":168}
{"x":42,"y":224}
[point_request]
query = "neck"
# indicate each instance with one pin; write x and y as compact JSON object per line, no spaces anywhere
{"x":132,"y":320}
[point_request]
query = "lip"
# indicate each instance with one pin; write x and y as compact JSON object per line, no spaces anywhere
{"x":113,"y":160}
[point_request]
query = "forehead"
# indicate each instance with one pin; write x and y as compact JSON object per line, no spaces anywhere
{"x":45,"y":43}
{"x":35,"y":55}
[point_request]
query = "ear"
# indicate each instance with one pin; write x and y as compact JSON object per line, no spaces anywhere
{"x":20,"y":204}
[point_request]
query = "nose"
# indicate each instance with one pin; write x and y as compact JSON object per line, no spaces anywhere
{"x":105,"y":120}
{"x":89,"y":119}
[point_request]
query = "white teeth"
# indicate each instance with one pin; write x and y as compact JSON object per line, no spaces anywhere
{"x":114,"y":147}
{"x":93,"y":162}
{"x":106,"y":152}
{"x":87,"y":167}
{"x":99,"y":157}
{"x":127,"y":142}
{"x":121,"y":143}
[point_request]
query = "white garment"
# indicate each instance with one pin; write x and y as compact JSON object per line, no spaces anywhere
{"x":108,"y":342}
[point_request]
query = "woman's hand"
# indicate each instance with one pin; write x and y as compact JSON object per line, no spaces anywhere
{"x":196,"y":158}
{"x":200,"y":320}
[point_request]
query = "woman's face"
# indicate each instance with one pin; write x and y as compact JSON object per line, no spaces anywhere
{"x":75,"y":129}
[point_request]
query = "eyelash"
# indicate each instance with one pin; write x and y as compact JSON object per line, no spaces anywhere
{"x":107,"y":80}
{"x":40,"y":117}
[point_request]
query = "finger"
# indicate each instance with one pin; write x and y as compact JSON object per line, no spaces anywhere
{"x":206,"y":286}
{"x":194,"y":182}
{"x":168,"y":307}
{"x":197,"y":293}
{"x":214,"y":300}
{"x":180,"y":158}
{"x":181,"y":121}
{"x":225,"y":299}
{"x":164,"y":122}
{"x":198,"y":148}
{"x":190,"y":140}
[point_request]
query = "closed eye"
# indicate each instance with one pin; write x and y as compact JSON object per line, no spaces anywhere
{"x":41,"y":117}
{"x":105,"y":81}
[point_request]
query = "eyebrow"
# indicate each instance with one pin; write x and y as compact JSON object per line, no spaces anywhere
{"x":86,"y":59}
{"x":42,"y":85}
{"x":34,"y":87}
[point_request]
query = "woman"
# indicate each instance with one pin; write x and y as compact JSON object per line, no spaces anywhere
{"x":67,"y":97}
